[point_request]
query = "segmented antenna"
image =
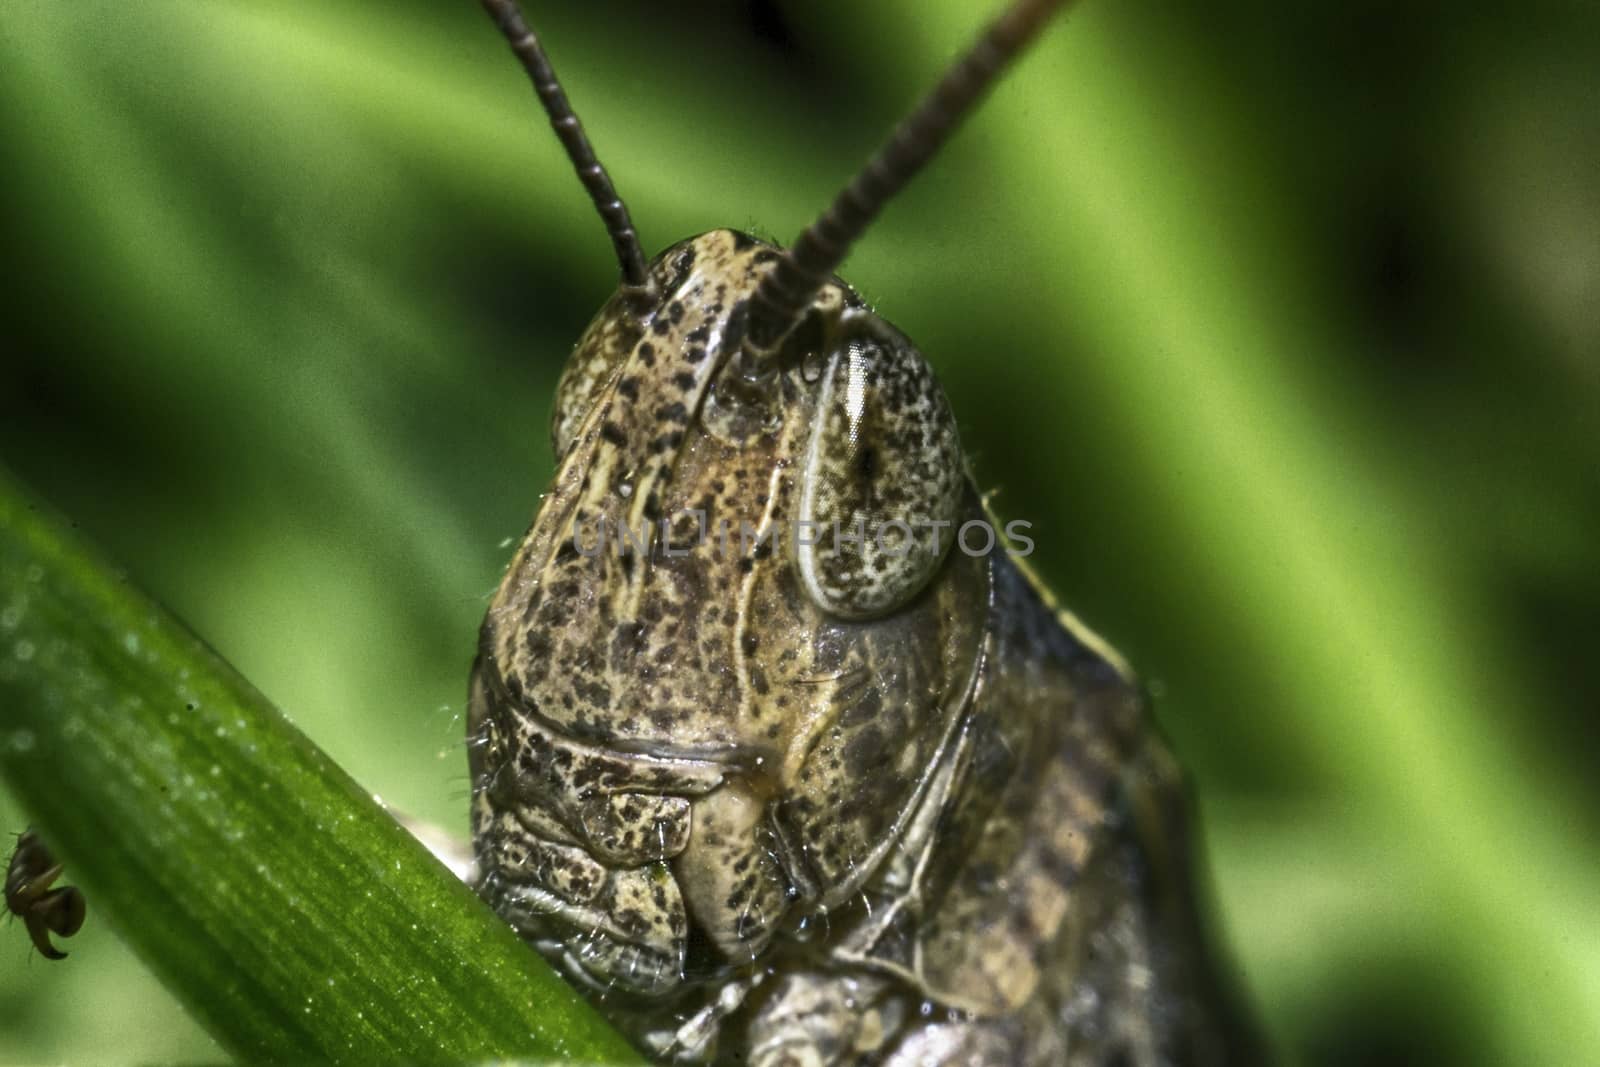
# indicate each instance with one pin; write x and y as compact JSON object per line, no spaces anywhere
{"x":508,"y":16}
{"x":789,"y":286}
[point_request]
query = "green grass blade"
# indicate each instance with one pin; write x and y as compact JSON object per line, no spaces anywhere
{"x":276,"y":899}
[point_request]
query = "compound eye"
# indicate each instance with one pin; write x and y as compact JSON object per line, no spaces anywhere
{"x":882,"y":478}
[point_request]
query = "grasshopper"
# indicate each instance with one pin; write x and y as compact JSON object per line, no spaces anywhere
{"x":850,"y":786}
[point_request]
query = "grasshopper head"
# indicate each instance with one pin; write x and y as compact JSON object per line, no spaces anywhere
{"x":729,"y":658}
{"x":745,"y":567}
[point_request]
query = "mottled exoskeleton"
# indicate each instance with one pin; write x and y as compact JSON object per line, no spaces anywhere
{"x":33,"y":896}
{"x":758,"y":757}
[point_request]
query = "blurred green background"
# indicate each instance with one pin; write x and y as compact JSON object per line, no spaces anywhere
{"x":1281,"y":325}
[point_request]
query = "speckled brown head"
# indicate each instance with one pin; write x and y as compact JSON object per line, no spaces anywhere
{"x":736,"y":594}
{"x":736,"y":683}
{"x":666,"y":612}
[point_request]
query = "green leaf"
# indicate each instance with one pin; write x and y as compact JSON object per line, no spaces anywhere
{"x":285,"y":908}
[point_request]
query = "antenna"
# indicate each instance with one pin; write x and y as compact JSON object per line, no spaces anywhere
{"x":508,"y":16}
{"x":789,"y":286}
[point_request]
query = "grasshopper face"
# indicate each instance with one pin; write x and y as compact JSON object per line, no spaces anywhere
{"x":684,"y":739}
{"x":756,"y":755}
